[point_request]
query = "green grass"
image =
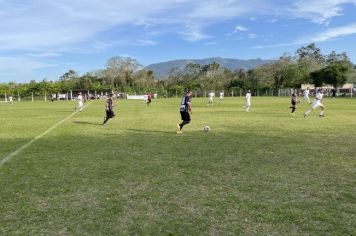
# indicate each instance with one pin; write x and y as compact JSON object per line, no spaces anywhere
{"x":262,"y":172}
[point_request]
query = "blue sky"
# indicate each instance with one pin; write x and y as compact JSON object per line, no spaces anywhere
{"x":45,"y":38}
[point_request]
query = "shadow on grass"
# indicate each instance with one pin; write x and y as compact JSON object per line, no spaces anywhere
{"x":151,"y":131}
{"x":86,"y":123}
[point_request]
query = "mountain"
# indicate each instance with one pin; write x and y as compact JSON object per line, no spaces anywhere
{"x":162,"y":69}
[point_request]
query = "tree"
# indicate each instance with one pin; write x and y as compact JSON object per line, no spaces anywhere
{"x":334,"y":74}
{"x":309,"y":59}
{"x":119,"y":71}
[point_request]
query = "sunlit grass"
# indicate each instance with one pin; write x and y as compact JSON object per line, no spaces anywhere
{"x":262,"y":172}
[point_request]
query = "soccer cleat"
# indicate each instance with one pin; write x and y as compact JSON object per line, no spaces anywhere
{"x":305,"y":115}
{"x":179,"y":132}
{"x":321,"y":116}
{"x":178,"y":127}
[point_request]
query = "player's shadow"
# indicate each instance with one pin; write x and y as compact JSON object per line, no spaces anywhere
{"x":149,"y":131}
{"x":86,"y":123}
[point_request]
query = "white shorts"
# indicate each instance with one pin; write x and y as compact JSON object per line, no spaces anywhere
{"x":210,"y":100}
{"x":316,"y":103}
{"x":80,"y":104}
{"x":248,"y":103}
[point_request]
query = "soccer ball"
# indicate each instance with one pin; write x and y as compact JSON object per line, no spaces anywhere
{"x":206,"y":128}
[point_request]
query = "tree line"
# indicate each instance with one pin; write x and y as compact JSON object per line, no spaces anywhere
{"x":124,"y":74}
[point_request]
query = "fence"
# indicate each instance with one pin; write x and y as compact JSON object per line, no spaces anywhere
{"x":285,"y":92}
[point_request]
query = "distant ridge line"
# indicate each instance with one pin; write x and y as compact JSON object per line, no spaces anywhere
{"x":162,"y":69}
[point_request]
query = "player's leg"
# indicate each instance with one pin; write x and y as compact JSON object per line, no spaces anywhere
{"x":185,"y":119}
{"x":322,"y":107}
{"x":107,"y":117}
{"x":294,"y":107}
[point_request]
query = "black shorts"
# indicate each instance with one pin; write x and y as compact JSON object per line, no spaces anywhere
{"x":185,"y":115}
{"x":294,"y":103}
{"x":110,"y":114}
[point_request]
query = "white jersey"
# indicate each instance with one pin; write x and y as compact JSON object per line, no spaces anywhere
{"x":80,"y":98}
{"x":319,"y":96}
{"x":306,"y":93}
{"x":317,"y":100}
{"x":248,"y":99}
{"x":221,"y":95}
{"x":210,"y":96}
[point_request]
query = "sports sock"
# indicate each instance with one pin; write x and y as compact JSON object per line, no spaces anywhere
{"x":183,"y":124}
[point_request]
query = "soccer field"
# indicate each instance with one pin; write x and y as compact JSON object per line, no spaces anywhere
{"x":262,"y":172}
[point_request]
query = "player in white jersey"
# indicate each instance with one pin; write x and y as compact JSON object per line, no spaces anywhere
{"x":211,"y":95}
{"x":80,"y":101}
{"x":248,"y":100}
{"x":221,"y":96}
{"x":10,"y":99}
{"x":306,"y":95}
{"x":317,"y":103}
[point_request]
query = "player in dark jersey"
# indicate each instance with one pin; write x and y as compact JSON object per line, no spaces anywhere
{"x":294,"y":101}
{"x":149,"y":98}
{"x":185,"y":111}
{"x":109,"y":108}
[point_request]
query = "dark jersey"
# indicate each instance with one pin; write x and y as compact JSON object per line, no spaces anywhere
{"x":184,"y":104}
{"x":109,"y":101}
{"x":294,"y":98}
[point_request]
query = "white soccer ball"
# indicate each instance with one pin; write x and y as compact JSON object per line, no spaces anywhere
{"x":206,"y":128}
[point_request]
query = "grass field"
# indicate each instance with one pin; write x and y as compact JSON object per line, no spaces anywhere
{"x":262,"y":172}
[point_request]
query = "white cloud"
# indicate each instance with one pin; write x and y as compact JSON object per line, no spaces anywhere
{"x":332,"y":33}
{"x":252,"y":36}
{"x":44,"y":54}
{"x":210,"y":43}
{"x":318,"y":11}
{"x":193,"y":35}
{"x":36,"y":25}
{"x":329,"y":34}
{"x":239,"y":28}
{"x":21,"y":65}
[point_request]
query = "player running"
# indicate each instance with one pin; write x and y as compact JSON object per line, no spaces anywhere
{"x":294,"y":102}
{"x":248,"y":100}
{"x":211,"y":95}
{"x":109,"y":108}
{"x":221,"y":96}
{"x":80,"y":102}
{"x":149,"y":98}
{"x":306,"y":95}
{"x":185,"y":109}
{"x":316,"y":103}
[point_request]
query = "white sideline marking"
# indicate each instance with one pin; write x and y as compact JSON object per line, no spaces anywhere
{"x":6,"y":159}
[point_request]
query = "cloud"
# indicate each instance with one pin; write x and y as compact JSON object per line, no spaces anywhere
{"x":44,"y":54}
{"x":327,"y":35}
{"x":50,"y":25}
{"x":333,"y":33}
{"x":10,"y":66}
{"x":239,"y":28}
{"x":210,"y":43}
{"x":318,"y":11}
{"x":193,"y":35}
{"x":252,"y":36}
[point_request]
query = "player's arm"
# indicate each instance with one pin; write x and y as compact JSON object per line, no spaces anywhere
{"x":190,"y":107}
{"x":106,"y":105}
